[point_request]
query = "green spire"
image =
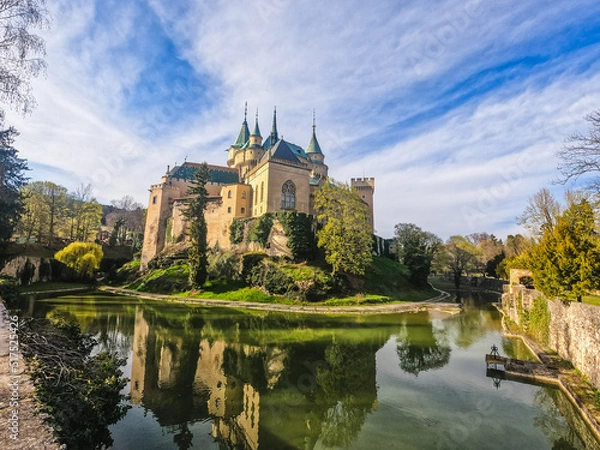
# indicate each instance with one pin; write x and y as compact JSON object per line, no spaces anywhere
{"x":313,"y":146}
{"x":274,"y":138}
{"x":256,"y":131}
{"x":244,"y":132}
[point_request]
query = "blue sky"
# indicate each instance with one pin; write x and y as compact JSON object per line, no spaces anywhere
{"x":455,"y":107}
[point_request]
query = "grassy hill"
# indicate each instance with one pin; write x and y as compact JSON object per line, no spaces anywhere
{"x":282,"y":282}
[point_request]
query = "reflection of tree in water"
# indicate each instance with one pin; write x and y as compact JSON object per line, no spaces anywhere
{"x":552,"y":423}
{"x":184,"y":438}
{"x":420,"y":347}
{"x":348,"y":392}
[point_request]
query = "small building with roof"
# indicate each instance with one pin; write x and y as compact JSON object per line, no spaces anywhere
{"x":261,"y":176}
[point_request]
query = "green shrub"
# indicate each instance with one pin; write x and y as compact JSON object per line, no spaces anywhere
{"x":82,"y":257}
{"x":272,"y":279}
{"x":223,"y":266}
{"x":8,"y":291}
{"x":236,"y":231}
{"x":249,"y":260}
{"x":261,"y":230}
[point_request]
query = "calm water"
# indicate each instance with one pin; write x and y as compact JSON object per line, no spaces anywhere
{"x":206,"y":378}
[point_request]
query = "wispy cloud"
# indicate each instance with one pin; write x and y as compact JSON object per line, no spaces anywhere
{"x":456,"y":107}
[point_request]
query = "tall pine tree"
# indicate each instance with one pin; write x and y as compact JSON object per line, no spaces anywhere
{"x":197,"y":256}
{"x":12,"y":179}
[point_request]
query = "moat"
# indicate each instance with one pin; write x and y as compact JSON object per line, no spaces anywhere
{"x":209,"y":378}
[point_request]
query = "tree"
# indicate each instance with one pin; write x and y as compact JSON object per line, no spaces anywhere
{"x":12,"y":179}
{"x":460,"y":257}
{"x":581,"y":154}
{"x":127,"y":221}
{"x":18,"y":51}
{"x":82,"y":257}
{"x":566,"y":260}
{"x":541,"y":212}
{"x":346,"y":232}
{"x":416,"y":249}
{"x":197,"y":255}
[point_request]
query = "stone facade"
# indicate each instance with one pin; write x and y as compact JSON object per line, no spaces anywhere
{"x":574,"y":331}
{"x":261,"y":177}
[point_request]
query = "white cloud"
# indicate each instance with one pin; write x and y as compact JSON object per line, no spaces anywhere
{"x":367,"y":69}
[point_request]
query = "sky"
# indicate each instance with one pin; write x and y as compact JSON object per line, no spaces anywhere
{"x":456,"y":107}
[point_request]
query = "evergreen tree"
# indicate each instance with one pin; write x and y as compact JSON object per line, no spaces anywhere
{"x":416,"y":249}
{"x":12,"y":179}
{"x":566,"y":260}
{"x":345,"y":236}
{"x":197,"y":256}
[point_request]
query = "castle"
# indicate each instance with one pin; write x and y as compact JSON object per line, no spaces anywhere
{"x":262,"y":176}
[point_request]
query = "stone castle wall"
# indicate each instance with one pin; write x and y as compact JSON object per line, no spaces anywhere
{"x":574,"y":331}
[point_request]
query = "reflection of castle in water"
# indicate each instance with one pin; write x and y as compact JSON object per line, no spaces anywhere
{"x":264,"y":397}
{"x":161,"y":361}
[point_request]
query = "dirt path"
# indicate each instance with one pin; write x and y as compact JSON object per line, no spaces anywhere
{"x":435,"y":303}
{"x":20,"y":427}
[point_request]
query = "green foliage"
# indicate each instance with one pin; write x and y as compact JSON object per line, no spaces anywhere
{"x":175,"y":278}
{"x":566,"y":260}
{"x":298,"y":228}
{"x":236,"y":231}
{"x":346,"y":233}
{"x":80,"y":393}
{"x":261,"y":230}
{"x":82,"y":257}
{"x":539,"y":320}
{"x":223,"y":265}
{"x":12,"y":179}
{"x":9,"y":291}
{"x":272,"y":279}
{"x":249,"y":260}
{"x":197,"y":256}
{"x":459,"y":256}
{"x":416,"y":249}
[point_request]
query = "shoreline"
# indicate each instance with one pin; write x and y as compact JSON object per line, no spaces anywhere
{"x":18,"y":404}
{"x":564,"y":381}
{"x":434,"y":303}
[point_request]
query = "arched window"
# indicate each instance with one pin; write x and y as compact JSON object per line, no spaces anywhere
{"x":262,"y":190}
{"x":244,"y":194}
{"x":229,"y":194}
{"x":288,"y":195}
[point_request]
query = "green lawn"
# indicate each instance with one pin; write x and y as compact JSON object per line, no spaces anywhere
{"x":591,"y":299}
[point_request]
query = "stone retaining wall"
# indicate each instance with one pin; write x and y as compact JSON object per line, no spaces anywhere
{"x":574,"y":330}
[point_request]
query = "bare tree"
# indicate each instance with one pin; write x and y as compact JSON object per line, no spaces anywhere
{"x":542,"y":212}
{"x":581,"y":154}
{"x":21,"y":51}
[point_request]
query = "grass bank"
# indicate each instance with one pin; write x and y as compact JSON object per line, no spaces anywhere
{"x":386,"y":281}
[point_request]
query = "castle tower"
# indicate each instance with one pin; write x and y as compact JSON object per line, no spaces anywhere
{"x":242,"y":139}
{"x":273,"y":138}
{"x":255,"y":137}
{"x":366,"y":188}
{"x":313,"y":150}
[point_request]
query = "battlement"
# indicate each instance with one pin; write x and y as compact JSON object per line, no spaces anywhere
{"x":366,"y":182}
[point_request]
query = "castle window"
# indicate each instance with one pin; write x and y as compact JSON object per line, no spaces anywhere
{"x":229,"y":209}
{"x":288,"y":195}
{"x":154,"y":200}
{"x":262,"y":190}
{"x":256,"y":195}
{"x":243,"y":210}
{"x":244,"y":194}
{"x":229,"y":194}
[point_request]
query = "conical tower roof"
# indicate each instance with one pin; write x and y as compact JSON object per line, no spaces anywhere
{"x":244,"y":134}
{"x":256,"y":130}
{"x":313,"y":146}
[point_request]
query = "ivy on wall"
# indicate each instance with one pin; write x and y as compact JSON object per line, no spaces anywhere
{"x":298,"y":227}
{"x":261,"y":230}
{"x":236,"y":231}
